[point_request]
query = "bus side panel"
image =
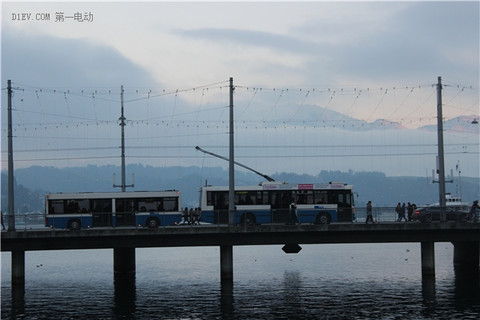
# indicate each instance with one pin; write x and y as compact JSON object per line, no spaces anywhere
{"x":307,"y":216}
{"x":61,"y":222}
{"x":215,"y":216}
{"x":164,"y":219}
{"x":334,"y":215}
{"x":263,"y":216}
{"x":57,"y":222}
{"x":345,"y":215}
{"x":123,"y":219}
{"x":172,"y":218}
{"x":281,"y":216}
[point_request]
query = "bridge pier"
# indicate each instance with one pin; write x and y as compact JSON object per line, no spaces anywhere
{"x":428,"y":258}
{"x":226,"y":263}
{"x":466,"y":254}
{"x":124,"y":260}
{"x":18,"y":267}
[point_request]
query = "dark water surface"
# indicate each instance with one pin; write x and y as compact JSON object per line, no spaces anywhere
{"x":359,"y":281}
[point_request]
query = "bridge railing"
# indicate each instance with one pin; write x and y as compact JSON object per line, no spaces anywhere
{"x":26,"y":221}
{"x":380,"y":214}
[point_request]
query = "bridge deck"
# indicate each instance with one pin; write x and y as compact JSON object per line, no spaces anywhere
{"x":221,"y":235}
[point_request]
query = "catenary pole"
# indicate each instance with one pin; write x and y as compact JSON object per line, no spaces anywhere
{"x":231,"y":177}
{"x":122,"y":124}
{"x":441,"y":155}
{"x":11,"y":204}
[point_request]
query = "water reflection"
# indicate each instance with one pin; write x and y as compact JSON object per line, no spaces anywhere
{"x":292,"y":284}
{"x":18,"y":300}
{"x":125,"y":295}
{"x":428,"y":289}
{"x":467,"y":286}
{"x":226,"y":298}
{"x":268,"y":286}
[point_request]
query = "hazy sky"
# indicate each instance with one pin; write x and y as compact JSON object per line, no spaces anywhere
{"x":368,"y":60}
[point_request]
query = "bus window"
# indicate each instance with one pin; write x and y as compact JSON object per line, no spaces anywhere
{"x":303,"y":196}
{"x":170,"y":204}
{"x":102,"y":205}
{"x":348,"y":199}
{"x":262,"y":197}
{"x":274,"y":199}
{"x":321,"y":197}
{"x":219,"y":199}
{"x":55,"y":206}
{"x":102,"y":212}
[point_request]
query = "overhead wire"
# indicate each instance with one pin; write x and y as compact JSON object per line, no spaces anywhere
{"x":174,"y":119}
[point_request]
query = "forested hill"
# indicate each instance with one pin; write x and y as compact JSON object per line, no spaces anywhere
{"x":33,"y":183}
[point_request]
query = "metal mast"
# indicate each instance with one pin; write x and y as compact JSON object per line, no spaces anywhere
{"x":441,"y":160}
{"x":231,"y":177}
{"x":122,"y":125}
{"x":11,"y":204}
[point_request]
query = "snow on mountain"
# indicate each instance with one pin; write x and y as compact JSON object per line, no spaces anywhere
{"x":464,"y":124}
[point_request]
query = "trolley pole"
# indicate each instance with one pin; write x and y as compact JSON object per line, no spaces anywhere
{"x":11,"y":204}
{"x":231,"y":177}
{"x":441,"y":155}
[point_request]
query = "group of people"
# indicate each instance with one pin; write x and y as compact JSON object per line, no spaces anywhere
{"x":405,"y":212}
{"x":192,"y":216}
{"x":401,"y":209}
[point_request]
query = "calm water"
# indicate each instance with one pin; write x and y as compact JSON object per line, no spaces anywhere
{"x":361,"y":281}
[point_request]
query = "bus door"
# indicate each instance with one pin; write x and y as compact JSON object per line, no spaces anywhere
{"x":280,"y":203}
{"x":124,"y":212}
{"x":102,"y":213}
{"x":343,"y":199}
{"x":219,"y":200}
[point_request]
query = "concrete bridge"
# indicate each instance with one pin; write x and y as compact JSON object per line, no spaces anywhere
{"x":465,"y":237}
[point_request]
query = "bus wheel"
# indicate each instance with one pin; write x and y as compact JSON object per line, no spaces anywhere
{"x":152,"y":223}
{"x":323,"y":218}
{"x":74,"y":224}
{"x":247,"y":219}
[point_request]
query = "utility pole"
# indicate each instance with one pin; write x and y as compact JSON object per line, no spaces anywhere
{"x":441,"y":155}
{"x":122,"y":125}
{"x":231,"y":177}
{"x":11,"y":204}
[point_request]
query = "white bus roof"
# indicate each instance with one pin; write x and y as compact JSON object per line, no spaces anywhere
{"x":285,"y":186}
{"x":111,"y":195}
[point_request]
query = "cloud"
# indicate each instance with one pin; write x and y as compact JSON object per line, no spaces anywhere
{"x":259,"y":39}
{"x":42,"y":60}
{"x":371,"y":45}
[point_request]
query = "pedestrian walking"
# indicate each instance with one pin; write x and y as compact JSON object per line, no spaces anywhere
{"x":402,"y":213}
{"x":185,"y":216}
{"x":398,"y":210}
{"x":190,"y":216}
{"x":410,"y":211}
{"x":369,"y":212}
{"x":293,"y":213}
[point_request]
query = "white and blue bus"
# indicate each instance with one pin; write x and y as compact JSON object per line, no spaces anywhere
{"x":270,"y":202}
{"x":112,"y":209}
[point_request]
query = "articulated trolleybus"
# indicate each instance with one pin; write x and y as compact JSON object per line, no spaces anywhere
{"x":269,"y":202}
{"x":112,"y":209}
